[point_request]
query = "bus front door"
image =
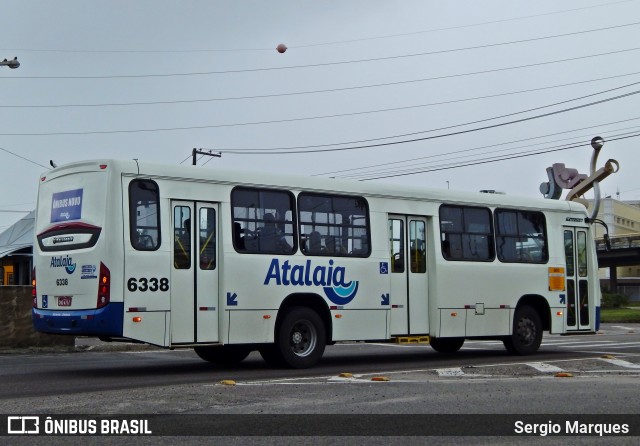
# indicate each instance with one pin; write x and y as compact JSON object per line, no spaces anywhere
{"x":194,"y":272}
{"x":577,"y":289}
{"x":408,"y":275}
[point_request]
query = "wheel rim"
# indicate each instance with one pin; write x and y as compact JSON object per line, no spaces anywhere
{"x":527,"y":331}
{"x":303,"y":338}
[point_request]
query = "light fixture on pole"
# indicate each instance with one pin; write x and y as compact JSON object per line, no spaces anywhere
{"x":10,"y":63}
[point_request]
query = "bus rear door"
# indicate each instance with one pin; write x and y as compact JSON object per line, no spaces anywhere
{"x":194,"y":272}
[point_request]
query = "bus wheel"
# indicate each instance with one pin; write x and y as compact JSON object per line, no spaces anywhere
{"x":527,"y":332}
{"x":301,"y":339}
{"x":446,"y":345}
{"x":223,"y":354}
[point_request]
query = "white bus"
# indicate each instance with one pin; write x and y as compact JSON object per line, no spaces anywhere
{"x":232,"y":262}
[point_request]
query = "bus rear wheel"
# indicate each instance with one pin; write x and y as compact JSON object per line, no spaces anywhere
{"x":225,"y":355}
{"x":300,"y":340}
{"x":527,"y":332}
{"x":446,"y":345}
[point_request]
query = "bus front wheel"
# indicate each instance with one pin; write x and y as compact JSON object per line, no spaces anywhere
{"x":527,"y":332}
{"x":300,"y":340}
{"x":225,"y":355}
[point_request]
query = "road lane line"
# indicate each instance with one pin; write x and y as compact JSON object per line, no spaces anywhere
{"x":544,"y":367}
{"x":621,"y":363}
{"x":451,"y":371}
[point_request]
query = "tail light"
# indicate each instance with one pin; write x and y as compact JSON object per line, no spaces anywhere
{"x":104,"y":287}
{"x":34,"y":293}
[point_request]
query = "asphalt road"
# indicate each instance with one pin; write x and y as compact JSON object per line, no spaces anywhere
{"x":600,"y":375}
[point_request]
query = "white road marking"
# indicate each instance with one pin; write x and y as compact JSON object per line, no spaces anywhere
{"x":452,"y":371}
{"x":579,"y":343}
{"x":621,"y":363}
{"x":611,"y":344}
{"x":544,"y":367}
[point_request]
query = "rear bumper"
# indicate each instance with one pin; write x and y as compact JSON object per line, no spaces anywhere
{"x":105,"y":321}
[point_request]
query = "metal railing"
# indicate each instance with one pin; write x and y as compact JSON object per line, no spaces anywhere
{"x":625,"y":241}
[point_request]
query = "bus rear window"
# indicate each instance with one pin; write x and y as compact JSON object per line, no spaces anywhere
{"x":144,"y":215}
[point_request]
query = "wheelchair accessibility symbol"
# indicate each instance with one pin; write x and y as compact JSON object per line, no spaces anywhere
{"x":384,"y":267}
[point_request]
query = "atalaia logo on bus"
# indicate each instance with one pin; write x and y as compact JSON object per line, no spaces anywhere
{"x":65,"y":262}
{"x":331,"y":278}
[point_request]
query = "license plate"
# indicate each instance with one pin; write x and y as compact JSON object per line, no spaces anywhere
{"x":64,"y":301}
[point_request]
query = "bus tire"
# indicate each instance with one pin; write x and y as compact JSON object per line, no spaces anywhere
{"x":446,"y":345}
{"x":527,"y":332}
{"x":224,"y":355}
{"x":300,"y":339}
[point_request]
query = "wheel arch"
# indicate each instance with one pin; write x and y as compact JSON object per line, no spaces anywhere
{"x":309,"y":300}
{"x":540,"y":305}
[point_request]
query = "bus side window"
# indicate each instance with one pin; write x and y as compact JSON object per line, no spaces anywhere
{"x":263,"y":221}
{"x":336,"y":225}
{"x":144,"y":215}
{"x":521,"y":236}
{"x":467,"y":233}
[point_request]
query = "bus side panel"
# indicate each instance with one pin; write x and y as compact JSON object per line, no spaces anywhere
{"x":148,"y":326}
{"x":262,"y":323}
{"x":258,"y":284}
{"x":359,"y":324}
{"x":468,"y":308}
{"x":146,"y":278}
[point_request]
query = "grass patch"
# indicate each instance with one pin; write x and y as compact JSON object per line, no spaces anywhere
{"x":620,"y":315}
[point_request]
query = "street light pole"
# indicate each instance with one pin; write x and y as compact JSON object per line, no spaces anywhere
{"x":13,"y":64}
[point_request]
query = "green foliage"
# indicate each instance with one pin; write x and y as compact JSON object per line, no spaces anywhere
{"x":614,"y":300}
{"x":620,"y":315}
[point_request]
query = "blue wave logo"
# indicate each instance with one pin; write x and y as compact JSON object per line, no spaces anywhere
{"x":331,"y":278}
{"x":70,"y":268}
{"x":341,"y":295}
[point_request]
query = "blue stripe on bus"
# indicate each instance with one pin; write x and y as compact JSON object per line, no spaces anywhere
{"x":105,"y":321}
{"x":598,"y":318}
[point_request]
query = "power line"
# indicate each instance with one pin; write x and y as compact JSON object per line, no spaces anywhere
{"x":390,"y":163}
{"x":335,"y":149}
{"x":337,"y":42}
{"x":450,"y":28}
{"x":286,"y":150}
{"x":208,"y":73}
{"x":23,"y":158}
{"x":453,"y":160}
{"x":191,"y":101}
{"x":487,"y":161}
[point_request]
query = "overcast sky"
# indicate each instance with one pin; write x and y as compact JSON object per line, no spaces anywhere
{"x":446,"y":83}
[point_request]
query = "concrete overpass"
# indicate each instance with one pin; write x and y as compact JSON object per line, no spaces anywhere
{"x":625,"y":251}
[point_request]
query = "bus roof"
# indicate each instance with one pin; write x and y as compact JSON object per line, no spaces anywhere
{"x":137,"y":168}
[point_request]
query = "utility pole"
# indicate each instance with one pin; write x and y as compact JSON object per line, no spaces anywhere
{"x":204,"y":152}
